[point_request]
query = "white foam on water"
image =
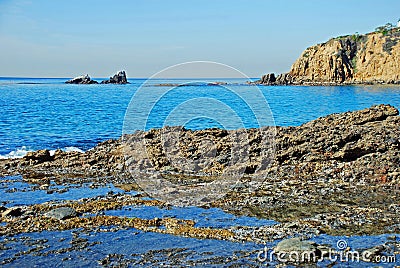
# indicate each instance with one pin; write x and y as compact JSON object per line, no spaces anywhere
{"x":72,"y":149}
{"x":18,"y":153}
{"x":21,"y":152}
{"x":68,"y":149}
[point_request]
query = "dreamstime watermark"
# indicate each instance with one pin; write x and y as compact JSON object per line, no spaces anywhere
{"x":341,"y":254}
{"x":183,"y":168}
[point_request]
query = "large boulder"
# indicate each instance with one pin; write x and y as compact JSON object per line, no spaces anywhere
{"x":119,"y":78}
{"x":295,"y":250}
{"x":295,"y":244}
{"x":83,"y":79}
{"x":61,"y":213}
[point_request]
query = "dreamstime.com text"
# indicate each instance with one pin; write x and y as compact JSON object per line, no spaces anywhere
{"x":342,"y":255}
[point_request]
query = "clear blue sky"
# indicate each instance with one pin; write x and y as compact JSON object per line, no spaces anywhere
{"x":41,"y":38}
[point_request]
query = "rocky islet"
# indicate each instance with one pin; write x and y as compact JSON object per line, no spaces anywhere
{"x":118,"y":78}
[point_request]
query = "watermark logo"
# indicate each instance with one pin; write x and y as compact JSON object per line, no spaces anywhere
{"x":341,"y":244}
{"x":342,"y":254}
{"x":174,"y":164}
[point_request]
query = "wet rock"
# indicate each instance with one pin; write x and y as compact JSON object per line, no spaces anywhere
{"x":61,"y":213}
{"x":369,"y":255}
{"x":13,"y":212}
{"x":83,"y":79}
{"x":297,"y":250}
{"x":38,"y":157}
{"x":296,"y":244}
{"x":118,"y":78}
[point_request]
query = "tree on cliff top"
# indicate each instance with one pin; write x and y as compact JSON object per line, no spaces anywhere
{"x":385,"y":28}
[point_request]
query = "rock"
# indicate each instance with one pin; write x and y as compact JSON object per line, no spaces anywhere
{"x":284,"y":79}
{"x":296,"y":244}
{"x":83,"y":79}
{"x":297,"y":250}
{"x":217,"y":83}
{"x":38,"y":157}
{"x":119,"y":78}
{"x":268,"y":79}
{"x":13,"y":212}
{"x":369,"y":255}
{"x":61,"y":213}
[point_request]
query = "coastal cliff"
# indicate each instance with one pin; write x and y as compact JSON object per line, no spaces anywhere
{"x":373,"y":58}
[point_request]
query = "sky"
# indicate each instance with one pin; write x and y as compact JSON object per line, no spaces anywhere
{"x":41,"y":38}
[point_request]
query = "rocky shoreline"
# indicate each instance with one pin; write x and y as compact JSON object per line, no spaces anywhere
{"x":339,"y":174}
{"x":286,"y":79}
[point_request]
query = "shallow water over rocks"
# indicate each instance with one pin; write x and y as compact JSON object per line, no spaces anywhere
{"x":115,"y":245}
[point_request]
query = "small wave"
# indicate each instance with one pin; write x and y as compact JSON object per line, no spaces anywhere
{"x":30,"y":83}
{"x":68,"y":149}
{"x":18,"y":153}
{"x":21,"y":152}
{"x":72,"y":149}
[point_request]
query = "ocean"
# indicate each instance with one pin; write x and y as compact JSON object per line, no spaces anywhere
{"x":39,"y":113}
{"x":45,"y":113}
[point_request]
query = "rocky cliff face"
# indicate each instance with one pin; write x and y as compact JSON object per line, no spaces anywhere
{"x":370,"y":58}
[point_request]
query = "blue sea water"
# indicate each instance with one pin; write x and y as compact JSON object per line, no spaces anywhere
{"x":41,"y":113}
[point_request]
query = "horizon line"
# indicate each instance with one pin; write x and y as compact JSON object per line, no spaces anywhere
{"x":149,"y":78}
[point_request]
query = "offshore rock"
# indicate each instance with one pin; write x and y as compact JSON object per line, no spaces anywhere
{"x":119,"y":78}
{"x":271,"y":80}
{"x":284,"y":79}
{"x":83,"y":79}
{"x":268,"y":78}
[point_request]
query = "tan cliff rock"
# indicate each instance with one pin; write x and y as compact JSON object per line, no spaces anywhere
{"x":379,"y":58}
{"x":352,"y":59}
